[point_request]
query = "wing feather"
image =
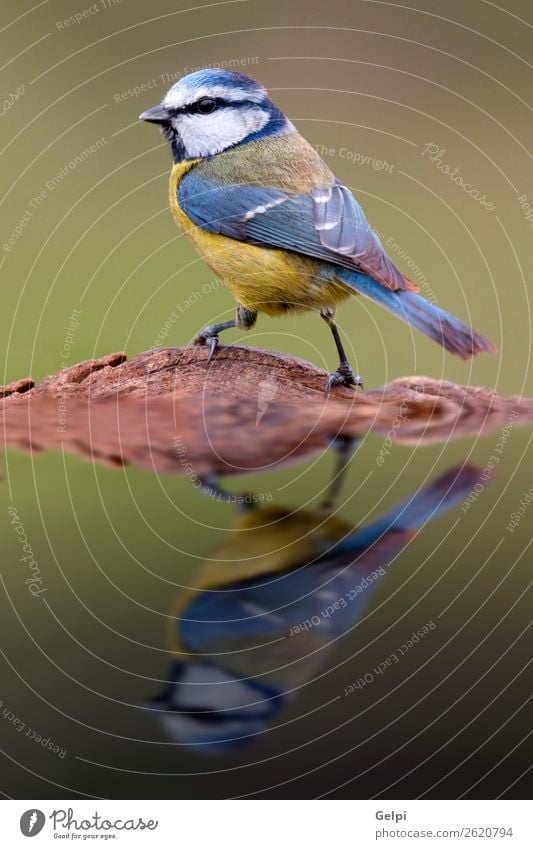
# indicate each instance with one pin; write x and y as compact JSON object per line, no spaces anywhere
{"x":327,"y":224}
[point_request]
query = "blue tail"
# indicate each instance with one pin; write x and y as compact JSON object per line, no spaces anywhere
{"x":444,"y":328}
{"x":411,"y":514}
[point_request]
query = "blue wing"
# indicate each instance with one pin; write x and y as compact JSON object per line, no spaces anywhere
{"x":327,"y":224}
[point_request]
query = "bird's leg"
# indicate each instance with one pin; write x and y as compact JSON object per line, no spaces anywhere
{"x":345,"y":447}
{"x":244,"y":320}
{"x":209,"y":336}
{"x":211,"y":487}
{"x":344,"y":375}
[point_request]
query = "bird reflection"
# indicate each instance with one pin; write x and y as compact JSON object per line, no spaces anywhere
{"x":270,"y":601}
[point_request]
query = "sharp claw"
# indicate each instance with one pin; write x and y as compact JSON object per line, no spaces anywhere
{"x":209,"y":339}
{"x":213,"y":345}
{"x":344,"y":376}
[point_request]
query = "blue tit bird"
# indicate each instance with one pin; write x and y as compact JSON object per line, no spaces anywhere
{"x":273,"y":222}
{"x":268,"y":605}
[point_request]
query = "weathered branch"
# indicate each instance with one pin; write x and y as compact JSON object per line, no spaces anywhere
{"x":168,"y":411}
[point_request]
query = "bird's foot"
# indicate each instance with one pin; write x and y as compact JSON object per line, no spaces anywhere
{"x":208,"y":336}
{"x":344,"y":376}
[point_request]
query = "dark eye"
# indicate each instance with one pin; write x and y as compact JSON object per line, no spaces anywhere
{"x":205,"y":105}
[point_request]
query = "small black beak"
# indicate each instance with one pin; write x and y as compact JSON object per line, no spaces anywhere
{"x":157,"y":115}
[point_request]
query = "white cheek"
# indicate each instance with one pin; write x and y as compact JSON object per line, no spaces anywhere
{"x":205,"y":135}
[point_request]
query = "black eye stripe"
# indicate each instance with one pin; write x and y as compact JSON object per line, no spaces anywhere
{"x":205,"y":106}
{"x":192,"y":108}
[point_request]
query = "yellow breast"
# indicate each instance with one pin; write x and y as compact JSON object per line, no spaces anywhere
{"x":267,"y":280}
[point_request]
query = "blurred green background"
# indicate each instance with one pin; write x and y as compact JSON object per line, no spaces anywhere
{"x":86,"y":227}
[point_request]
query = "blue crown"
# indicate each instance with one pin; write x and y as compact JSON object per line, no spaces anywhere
{"x":222,"y":76}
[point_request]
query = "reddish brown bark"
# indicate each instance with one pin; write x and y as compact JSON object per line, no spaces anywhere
{"x":166,"y":410}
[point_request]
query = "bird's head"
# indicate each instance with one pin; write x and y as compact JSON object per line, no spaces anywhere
{"x":215,"y":109}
